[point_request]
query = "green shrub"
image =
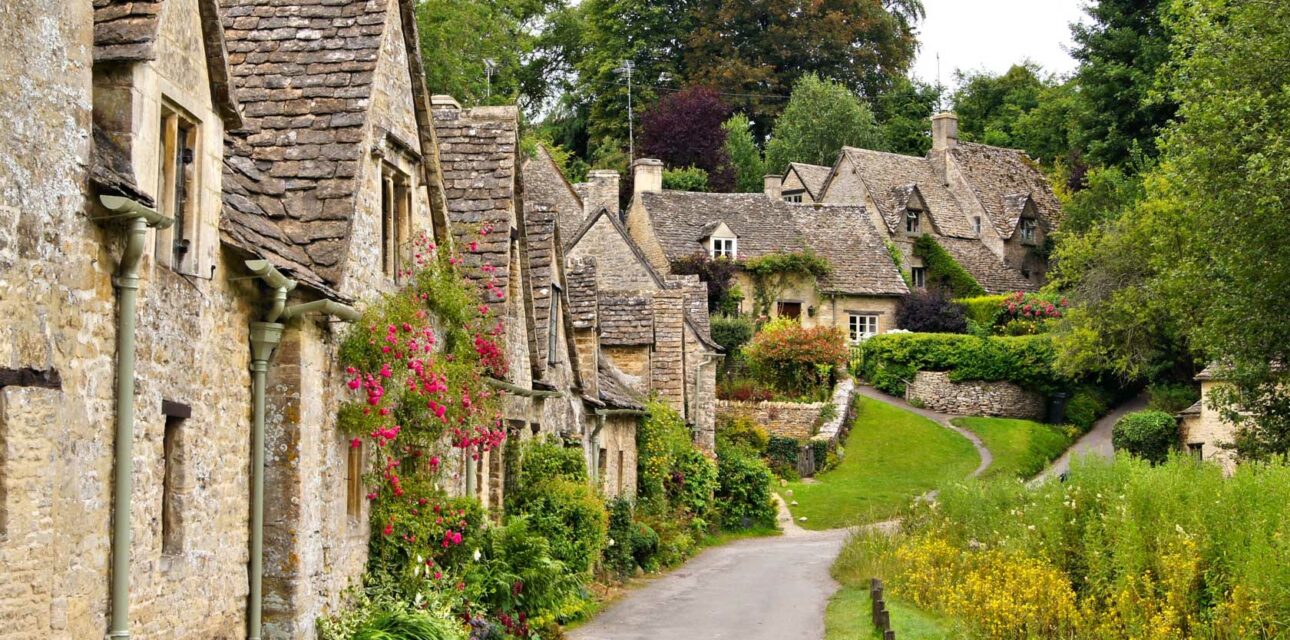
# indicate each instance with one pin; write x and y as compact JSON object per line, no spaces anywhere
{"x":693,"y":485}
{"x":781,"y":453}
{"x":570,"y":515}
{"x":732,"y":332}
{"x":518,"y":574}
{"x":685,"y":179}
{"x":743,"y":490}
{"x":660,"y":439}
{"x":983,"y":310}
{"x":674,"y":537}
{"x":744,"y":432}
{"x":409,"y":625}
{"x":618,"y":558}
{"x":548,"y":459}
{"x":1171,"y":398}
{"x":796,"y":360}
{"x":1150,"y":435}
{"x":1086,"y":404}
{"x":892,"y":358}
{"x":943,"y":271}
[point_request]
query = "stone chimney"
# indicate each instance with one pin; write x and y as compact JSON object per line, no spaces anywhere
{"x":773,"y":186}
{"x":441,"y":101}
{"x":945,"y":131}
{"x":602,"y":191}
{"x":647,"y":176}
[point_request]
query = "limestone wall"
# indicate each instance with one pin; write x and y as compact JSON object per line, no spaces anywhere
{"x":973,"y":398}
{"x":1209,"y":431}
{"x":618,"y":456}
{"x":788,"y":419}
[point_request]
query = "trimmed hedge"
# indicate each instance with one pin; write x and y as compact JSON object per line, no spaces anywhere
{"x":892,"y":358}
{"x":983,"y":310}
{"x":943,"y":271}
{"x":1150,"y":435}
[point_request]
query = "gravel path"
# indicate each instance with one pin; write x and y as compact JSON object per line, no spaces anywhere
{"x":1097,"y":442}
{"x":758,"y":589}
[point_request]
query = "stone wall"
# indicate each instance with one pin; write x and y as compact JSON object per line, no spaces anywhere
{"x":974,"y":398}
{"x":1209,"y":431}
{"x":787,"y":419}
{"x":617,"y":470}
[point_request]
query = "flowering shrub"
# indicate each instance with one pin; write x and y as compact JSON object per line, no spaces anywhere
{"x":796,"y":360}
{"x":744,"y":390}
{"x":1028,"y":313}
{"x":553,"y":494}
{"x":676,"y":485}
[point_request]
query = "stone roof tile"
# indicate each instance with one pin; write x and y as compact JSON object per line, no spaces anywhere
{"x":988,"y":270}
{"x":892,"y":178}
{"x":614,"y":391}
{"x":813,"y":177}
{"x":1001,"y":178}
{"x":544,"y":183}
{"x":580,"y":276}
{"x":626,"y":319}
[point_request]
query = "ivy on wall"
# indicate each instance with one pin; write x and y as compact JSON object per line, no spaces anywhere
{"x":943,"y":271}
{"x":898,"y":259}
{"x":773,"y":272}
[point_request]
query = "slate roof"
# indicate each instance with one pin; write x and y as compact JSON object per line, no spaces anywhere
{"x":544,"y":183}
{"x":1000,"y":178}
{"x":892,"y":178}
{"x":985,"y":266}
{"x":614,"y":391}
{"x":626,"y":319}
{"x":539,"y":225}
{"x":477,"y":156}
{"x":580,"y":277}
{"x":303,"y":70}
{"x":843,"y":234}
{"x":111,"y":169}
{"x":813,"y":177}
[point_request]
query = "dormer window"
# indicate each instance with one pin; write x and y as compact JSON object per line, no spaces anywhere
{"x":794,"y":197}
{"x":723,"y":248}
{"x":912,"y":226}
{"x":976,"y":225}
{"x":396,"y":219}
{"x":177,"y":190}
{"x":1029,"y":230}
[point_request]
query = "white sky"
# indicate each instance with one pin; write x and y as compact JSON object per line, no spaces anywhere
{"x":995,"y":34}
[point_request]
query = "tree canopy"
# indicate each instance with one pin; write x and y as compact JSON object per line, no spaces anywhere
{"x":822,"y":117}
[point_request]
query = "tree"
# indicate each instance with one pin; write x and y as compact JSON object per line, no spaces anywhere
{"x":684,"y":129}
{"x":932,"y":312}
{"x":759,"y":49}
{"x":821,"y":117}
{"x":745,"y":157}
{"x":1120,"y":52}
{"x":685,"y":179}
{"x":904,"y":112}
{"x":990,"y":105}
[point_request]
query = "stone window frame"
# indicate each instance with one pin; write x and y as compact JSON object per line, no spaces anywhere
{"x":855,"y":337}
{"x":913,"y":221}
{"x":354,"y":490}
{"x":918,"y":276}
{"x":174,"y":458}
{"x":395,"y":224}
{"x":728,"y":248}
{"x":1029,"y":230}
{"x":179,"y":156}
{"x":976,"y":225}
{"x":553,"y":326}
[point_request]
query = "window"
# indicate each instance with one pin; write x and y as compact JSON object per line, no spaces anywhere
{"x":172,"y":461}
{"x":919,"y":276}
{"x":862,"y":325}
{"x":723,"y":248}
{"x":177,"y":190}
{"x":795,"y":196}
{"x":1196,"y":450}
{"x":789,"y":310}
{"x":396,"y":219}
{"x":602,"y":465}
{"x":354,"y":480}
{"x":1028,"y":227}
{"x":553,"y":327}
{"x":976,"y":225}
{"x":911,"y":222}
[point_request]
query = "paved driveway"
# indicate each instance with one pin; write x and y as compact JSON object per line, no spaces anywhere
{"x":1097,"y":442}
{"x":759,"y":589}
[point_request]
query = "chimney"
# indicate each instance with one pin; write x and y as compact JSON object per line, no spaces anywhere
{"x":647,"y":176}
{"x":773,"y":186}
{"x":602,"y":191}
{"x":945,"y":131}
{"x":444,"y":102}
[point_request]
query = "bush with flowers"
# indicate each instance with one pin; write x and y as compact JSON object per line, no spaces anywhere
{"x":797,"y":361}
{"x":1013,"y":314}
{"x":1122,"y":549}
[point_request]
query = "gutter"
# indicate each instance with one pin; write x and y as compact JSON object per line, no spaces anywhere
{"x":139,"y":219}
{"x":266,"y":335}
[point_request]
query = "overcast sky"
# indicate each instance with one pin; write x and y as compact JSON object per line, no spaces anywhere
{"x":994,"y":35}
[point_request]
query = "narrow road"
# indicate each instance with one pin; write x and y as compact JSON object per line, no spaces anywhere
{"x":759,"y":589}
{"x":1096,"y":442}
{"x":942,"y":419}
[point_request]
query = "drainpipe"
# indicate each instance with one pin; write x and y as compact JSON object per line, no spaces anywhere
{"x":265,"y":337}
{"x":139,"y":219}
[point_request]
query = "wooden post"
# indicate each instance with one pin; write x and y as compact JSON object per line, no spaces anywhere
{"x":889,"y":635}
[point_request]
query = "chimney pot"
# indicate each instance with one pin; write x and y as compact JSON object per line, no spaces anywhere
{"x":773,"y":186}
{"x":602,"y":191}
{"x":945,"y":131}
{"x":647,"y":176}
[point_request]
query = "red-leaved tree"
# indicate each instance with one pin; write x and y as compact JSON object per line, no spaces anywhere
{"x":683,"y":129}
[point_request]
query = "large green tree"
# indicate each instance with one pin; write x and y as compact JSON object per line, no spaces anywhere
{"x":904,"y":112}
{"x":989,"y":106}
{"x":745,"y":157}
{"x":822,"y":117}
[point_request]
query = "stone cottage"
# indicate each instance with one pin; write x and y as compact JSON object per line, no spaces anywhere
{"x":989,"y":207}
{"x":802,"y":183}
{"x":860,"y":293}
{"x":1203,"y":432}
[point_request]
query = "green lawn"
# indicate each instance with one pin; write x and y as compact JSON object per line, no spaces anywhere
{"x":892,"y":456}
{"x":847,"y":618}
{"x":1021,"y":448}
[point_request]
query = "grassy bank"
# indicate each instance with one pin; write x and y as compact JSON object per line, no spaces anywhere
{"x":1021,"y":448}
{"x":891,"y":456}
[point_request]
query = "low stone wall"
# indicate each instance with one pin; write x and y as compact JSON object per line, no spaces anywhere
{"x":833,"y":429}
{"x":935,"y":391}
{"x":788,"y":419}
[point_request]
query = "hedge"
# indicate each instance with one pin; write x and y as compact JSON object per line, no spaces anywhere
{"x":983,"y":309}
{"x":1150,"y":435}
{"x":892,"y":358}
{"x":944,"y":271}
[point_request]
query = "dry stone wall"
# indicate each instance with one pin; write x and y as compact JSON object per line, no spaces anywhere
{"x":973,"y":398}
{"x":787,"y":419}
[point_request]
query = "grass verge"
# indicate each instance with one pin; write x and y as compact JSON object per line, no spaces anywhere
{"x":1021,"y":448}
{"x":847,"y":618}
{"x":891,"y":456}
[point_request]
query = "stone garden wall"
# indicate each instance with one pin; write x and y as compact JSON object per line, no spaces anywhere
{"x":788,"y":419}
{"x":935,"y":391}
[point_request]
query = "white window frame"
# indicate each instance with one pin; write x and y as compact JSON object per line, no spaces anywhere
{"x":913,"y":222}
{"x":919,"y":276}
{"x":861,"y":326}
{"x":729,"y":248}
{"x":795,"y":197}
